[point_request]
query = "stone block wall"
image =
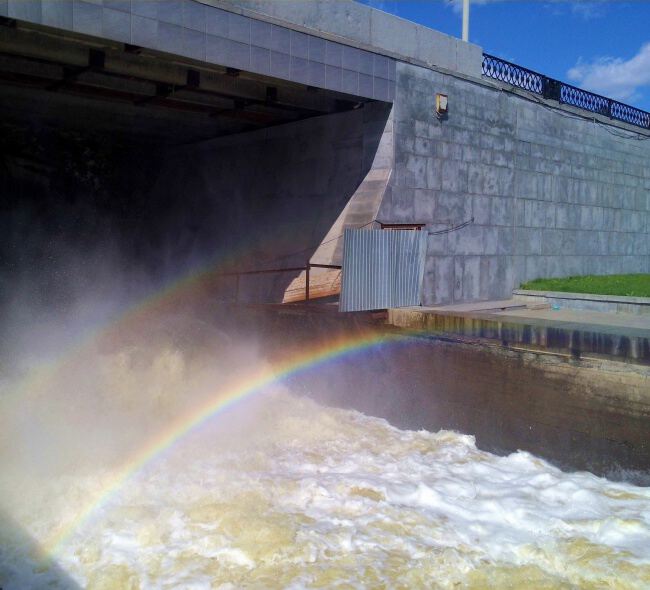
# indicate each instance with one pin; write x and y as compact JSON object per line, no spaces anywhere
{"x":550,"y":193}
{"x":266,"y":199}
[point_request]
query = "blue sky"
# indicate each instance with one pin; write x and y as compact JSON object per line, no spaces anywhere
{"x":600,"y":45}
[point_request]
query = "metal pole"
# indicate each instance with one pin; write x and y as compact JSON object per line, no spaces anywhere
{"x":465,"y":20}
{"x":307,"y":282}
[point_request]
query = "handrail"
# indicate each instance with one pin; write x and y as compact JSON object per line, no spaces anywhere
{"x":505,"y":71}
{"x":500,"y":69}
{"x":261,"y":271}
{"x":308,"y":266}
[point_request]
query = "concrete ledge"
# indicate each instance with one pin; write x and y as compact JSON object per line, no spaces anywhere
{"x":586,"y":301}
{"x":571,"y":338}
{"x":358,"y":25}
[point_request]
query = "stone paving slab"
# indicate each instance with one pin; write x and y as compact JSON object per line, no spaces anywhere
{"x":504,"y":304}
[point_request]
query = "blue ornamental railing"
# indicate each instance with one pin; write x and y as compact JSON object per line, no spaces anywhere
{"x":505,"y":71}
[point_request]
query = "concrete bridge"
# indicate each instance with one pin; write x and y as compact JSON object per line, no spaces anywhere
{"x":250,"y":133}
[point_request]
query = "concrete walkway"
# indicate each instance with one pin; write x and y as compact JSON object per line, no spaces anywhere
{"x":616,"y":336}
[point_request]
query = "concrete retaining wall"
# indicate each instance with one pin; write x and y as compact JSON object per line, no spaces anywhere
{"x":585,"y":301}
{"x":551,"y":194}
{"x":266,"y":199}
{"x":575,"y":339}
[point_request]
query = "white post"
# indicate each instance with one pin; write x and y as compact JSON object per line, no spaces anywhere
{"x":465,"y":20}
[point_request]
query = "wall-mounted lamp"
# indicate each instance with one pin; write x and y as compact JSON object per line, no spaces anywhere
{"x":441,"y":104}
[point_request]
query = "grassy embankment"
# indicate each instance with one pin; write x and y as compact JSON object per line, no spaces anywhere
{"x":634,"y":285}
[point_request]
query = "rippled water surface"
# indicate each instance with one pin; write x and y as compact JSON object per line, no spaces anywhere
{"x":312,"y":497}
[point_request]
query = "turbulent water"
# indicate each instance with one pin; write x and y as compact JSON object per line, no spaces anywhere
{"x":314,"y":497}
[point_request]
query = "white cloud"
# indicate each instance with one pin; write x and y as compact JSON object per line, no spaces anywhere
{"x":614,"y":77}
{"x":457,"y":5}
{"x":586,"y":9}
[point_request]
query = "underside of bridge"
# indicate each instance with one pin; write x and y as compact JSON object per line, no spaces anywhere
{"x":139,"y":95}
{"x":123,"y":169}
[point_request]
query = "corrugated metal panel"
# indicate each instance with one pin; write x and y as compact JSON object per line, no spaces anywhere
{"x":382,"y":269}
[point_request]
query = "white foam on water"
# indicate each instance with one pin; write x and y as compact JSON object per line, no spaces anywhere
{"x":324,"y":498}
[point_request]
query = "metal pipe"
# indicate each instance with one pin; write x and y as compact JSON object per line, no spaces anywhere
{"x":262,"y":272}
{"x":465,"y":20}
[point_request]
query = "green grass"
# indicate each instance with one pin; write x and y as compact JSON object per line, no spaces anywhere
{"x":636,"y":285}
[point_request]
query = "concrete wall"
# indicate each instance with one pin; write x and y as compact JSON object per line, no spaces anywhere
{"x":267,"y":199}
{"x":358,"y":25}
{"x":551,"y":193}
{"x":585,"y":301}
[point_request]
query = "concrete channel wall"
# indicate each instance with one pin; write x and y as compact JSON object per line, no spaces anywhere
{"x":265,"y":199}
{"x":585,"y":301}
{"x":550,"y":192}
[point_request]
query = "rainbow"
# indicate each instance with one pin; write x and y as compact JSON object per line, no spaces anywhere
{"x":216,"y":405}
{"x":139,"y":313}
{"x":176,"y":292}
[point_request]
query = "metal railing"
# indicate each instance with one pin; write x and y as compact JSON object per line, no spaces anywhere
{"x":505,"y":71}
{"x":307,"y":268}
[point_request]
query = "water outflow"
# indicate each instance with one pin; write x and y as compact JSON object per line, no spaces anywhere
{"x":306,"y":496}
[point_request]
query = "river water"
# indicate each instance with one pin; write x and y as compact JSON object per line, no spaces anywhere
{"x":306,"y":496}
{"x":281,"y":491}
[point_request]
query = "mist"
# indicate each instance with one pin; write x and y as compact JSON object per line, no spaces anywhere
{"x":117,"y":326}
{"x":94,"y":362}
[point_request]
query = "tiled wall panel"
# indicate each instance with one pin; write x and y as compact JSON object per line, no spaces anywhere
{"x":192,"y":29}
{"x":547,"y":195}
